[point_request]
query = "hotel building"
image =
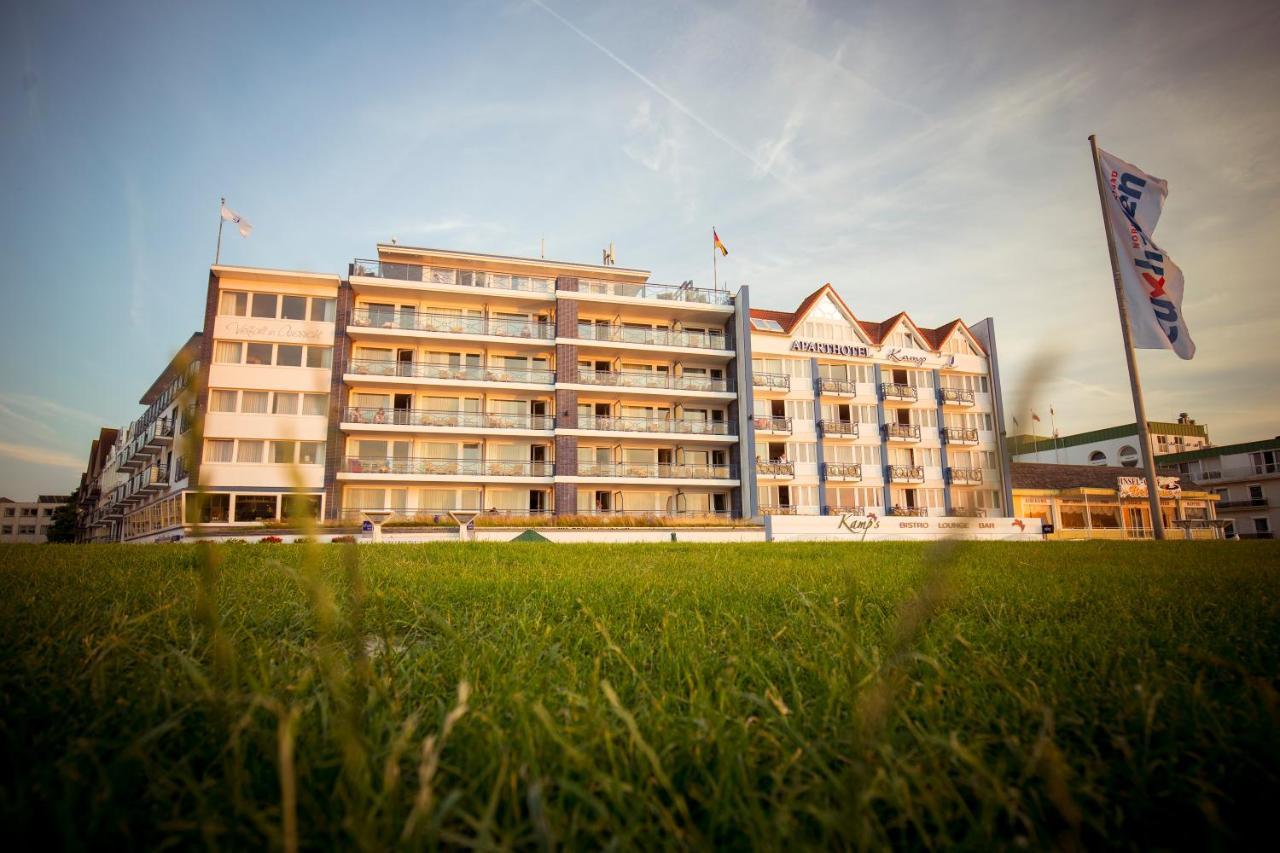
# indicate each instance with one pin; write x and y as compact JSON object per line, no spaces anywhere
{"x":28,"y":521}
{"x":1117,"y":445}
{"x":1246,"y":479}
{"x":427,"y":381}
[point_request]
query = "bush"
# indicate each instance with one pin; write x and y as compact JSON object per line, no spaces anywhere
{"x":270,"y":540}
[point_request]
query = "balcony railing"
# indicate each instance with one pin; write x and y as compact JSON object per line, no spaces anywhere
{"x":656,"y":513}
{"x":152,"y":479}
{"x":417,"y":465}
{"x":159,"y":435}
{"x":968,"y":512}
{"x":1248,"y":502}
{"x":846,"y":429}
{"x":898,"y":391}
{"x":775,"y":509}
{"x":466,"y":373}
{"x":837,"y":386}
{"x":956,"y":396}
{"x":441,"y":275}
{"x":419,"y":321}
{"x":960,"y":435}
{"x":438,"y":418}
{"x":902,"y":432}
{"x":912,"y":511}
{"x":627,"y":423}
{"x":765,"y":423}
{"x":844,"y":510}
{"x":650,"y":290}
{"x":965,"y":476}
{"x":657,"y":337}
{"x":775,"y":468}
{"x":776,"y":381}
{"x":842,"y":470}
{"x":906,"y":473}
{"x":654,"y":379}
{"x":652,"y":471}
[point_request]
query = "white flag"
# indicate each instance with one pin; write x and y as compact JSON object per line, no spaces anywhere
{"x":1151,"y":280}
{"x":243,"y":224}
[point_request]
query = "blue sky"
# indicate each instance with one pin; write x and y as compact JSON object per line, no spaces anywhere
{"x":926,"y":157}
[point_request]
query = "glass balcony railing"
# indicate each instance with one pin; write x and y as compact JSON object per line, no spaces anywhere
{"x":652,"y":379}
{"x":422,"y":466}
{"x":627,"y":423}
{"x":842,"y":470}
{"x":905,"y":473}
{"x":844,"y":429}
{"x":443,"y":275}
{"x":836,"y":509}
{"x":682,"y":471}
{"x":650,"y":290}
{"x":965,"y":476}
{"x":765,"y":423}
{"x":775,"y":468}
{"x":898,"y":391}
{"x":911,"y":511}
{"x":445,"y":418}
{"x":956,"y":396}
{"x":960,"y":435}
{"x":772,"y":381}
{"x":902,"y":432}
{"x":456,"y":372}
{"x":657,"y":337}
{"x":968,"y":512}
{"x":837,"y":386}
{"x":421,"y":321}
{"x":777,"y":509}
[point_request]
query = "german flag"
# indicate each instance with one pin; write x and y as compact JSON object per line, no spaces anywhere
{"x":717,"y":244}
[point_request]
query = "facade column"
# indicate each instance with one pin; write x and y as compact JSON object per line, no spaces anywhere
{"x":942,"y":445}
{"x":566,"y":399}
{"x":884,"y":440}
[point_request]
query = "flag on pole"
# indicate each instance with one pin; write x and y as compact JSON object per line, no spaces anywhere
{"x":1151,"y":281}
{"x":1035,"y":417}
{"x":720,"y":247}
{"x":1015,"y":421}
{"x":241,"y":223}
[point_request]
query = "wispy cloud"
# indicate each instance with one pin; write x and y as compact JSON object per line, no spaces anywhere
{"x":40,"y":455}
{"x":44,"y":407}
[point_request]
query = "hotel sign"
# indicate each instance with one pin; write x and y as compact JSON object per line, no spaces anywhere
{"x":851,"y":350}
{"x":872,"y":527}
{"x":1136,"y":487}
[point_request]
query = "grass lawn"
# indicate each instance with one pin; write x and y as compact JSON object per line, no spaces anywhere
{"x":536,"y":695}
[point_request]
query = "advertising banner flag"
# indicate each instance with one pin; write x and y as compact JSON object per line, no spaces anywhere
{"x":1152,"y":283}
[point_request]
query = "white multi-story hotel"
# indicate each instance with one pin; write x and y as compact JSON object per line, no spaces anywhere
{"x":429,"y":380}
{"x":858,"y":417}
{"x":1246,"y":479}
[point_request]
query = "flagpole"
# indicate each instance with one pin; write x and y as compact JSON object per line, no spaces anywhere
{"x":1135,"y":384}
{"x":1053,"y":425}
{"x":217,"y":253}
{"x":715,"y":275}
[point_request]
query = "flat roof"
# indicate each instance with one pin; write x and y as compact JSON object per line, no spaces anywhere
{"x":601,"y":269}
{"x":187,"y":353}
{"x":1025,"y":445}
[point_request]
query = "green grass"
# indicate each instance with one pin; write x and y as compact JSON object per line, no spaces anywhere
{"x":650,"y":696}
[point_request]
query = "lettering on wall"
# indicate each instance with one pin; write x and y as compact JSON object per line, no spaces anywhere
{"x":829,"y":349}
{"x":283,"y":331}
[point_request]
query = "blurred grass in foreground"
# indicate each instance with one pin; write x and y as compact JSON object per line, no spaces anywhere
{"x":1061,"y":695}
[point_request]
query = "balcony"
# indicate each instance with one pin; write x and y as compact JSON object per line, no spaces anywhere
{"x":955,"y":396}
{"x":844,"y":510}
{"x":1244,"y":504}
{"x":775,"y":468}
{"x":776,"y":426}
{"x":655,"y":425}
{"x":452,"y":372}
{"x":959,"y":435}
{"x":902,"y":432}
{"x":159,"y":436}
{"x":659,"y":471}
{"x":909,"y":511}
{"x":650,"y":290}
{"x":651,"y":379}
{"x":153,"y":479}
{"x":420,"y":321}
{"x":842,"y":429}
{"x":775,"y":509}
{"x":965,"y":476}
{"x":415,"y":466}
{"x":439,"y":418}
{"x":848,"y":471}
{"x":711,"y":340}
{"x":898,"y":391}
{"x":841,"y":387}
{"x":460,"y":278}
{"x":905,"y":473}
{"x":771,"y":381}
{"x":967,"y":512}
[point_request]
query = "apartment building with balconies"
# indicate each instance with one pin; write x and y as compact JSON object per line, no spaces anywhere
{"x":854,"y":417}
{"x":1246,"y":479}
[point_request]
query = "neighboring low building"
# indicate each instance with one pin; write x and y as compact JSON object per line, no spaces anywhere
{"x":1246,"y":479}
{"x":28,"y":521}
{"x":1116,"y":445}
{"x":1086,"y":502}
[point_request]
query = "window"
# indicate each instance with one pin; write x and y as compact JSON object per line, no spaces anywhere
{"x":320,"y":357}
{"x":264,"y":305}
{"x":766,"y":325}
{"x":301,"y":506}
{"x":227,"y":352}
{"x":289,"y":355}
{"x":253,"y":402}
{"x":1128,"y":456}
{"x":7,"y":530}
{"x":255,"y":507}
{"x":257,"y":353}
{"x":315,"y":404}
{"x":293,"y":307}
{"x":233,"y":304}
{"x":284,"y":404}
{"x":1262,"y":524}
{"x":322,"y":310}
{"x":1097,"y":457}
{"x":249,"y":451}
{"x":218,"y":450}
{"x":311,"y":453}
{"x":283,"y":452}
{"x":222,"y":401}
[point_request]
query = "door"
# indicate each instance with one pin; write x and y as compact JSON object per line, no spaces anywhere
{"x":404,"y":362}
{"x":1135,"y":519}
{"x":403,"y":403}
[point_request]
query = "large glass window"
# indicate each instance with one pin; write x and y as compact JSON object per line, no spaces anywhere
{"x":218,"y":450}
{"x":227,"y":352}
{"x":249,"y":451}
{"x":257,"y":353}
{"x":301,"y":506}
{"x":254,"y":402}
{"x":208,"y":509}
{"x":232,"y":304}
{"x":264,"y":305}
{"x":322,"y":310}
{"x":293,"y":307}
{"x":283,"y":452}
{"x":255,"y":507}
{"x":289,"y":355}
{"x":315,"y":404}
{"x":311,"y":453}
{"x":320,"y":357}
{"x":285,"y":403}
{"x":222,"y":401}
